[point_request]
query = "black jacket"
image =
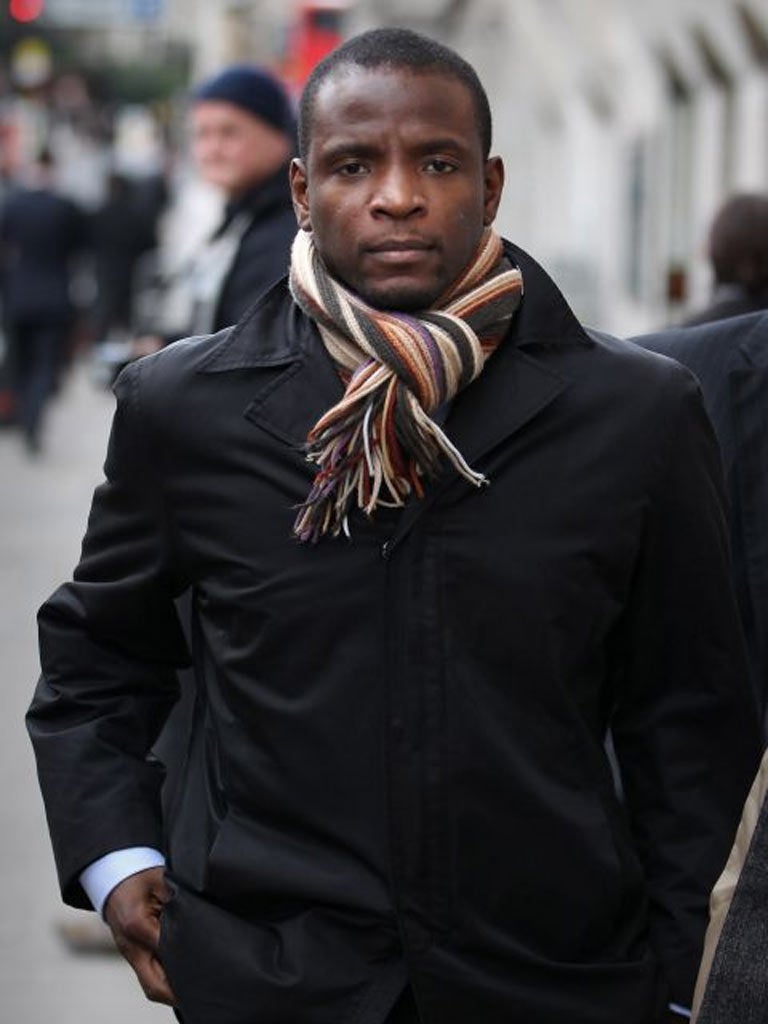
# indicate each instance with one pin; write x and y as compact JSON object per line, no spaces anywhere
{"x":730,"y":360}
{"x":397,"y":767}
{"x":264,"y":252}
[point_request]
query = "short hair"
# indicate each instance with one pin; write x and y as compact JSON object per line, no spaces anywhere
{"x":738,"y":241}
{"x":395,"y":48}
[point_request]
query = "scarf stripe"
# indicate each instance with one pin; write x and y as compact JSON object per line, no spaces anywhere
{"x":378,"y":444}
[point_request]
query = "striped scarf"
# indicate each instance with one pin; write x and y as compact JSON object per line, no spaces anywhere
{"x":378,"y":444}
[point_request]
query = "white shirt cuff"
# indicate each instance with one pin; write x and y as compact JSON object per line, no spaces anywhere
{"x":682,"y":1011}
{"x":101,"y":877}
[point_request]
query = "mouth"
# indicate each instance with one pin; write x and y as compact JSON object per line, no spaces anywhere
{"x":399,"y":250}
{"x":400,"y":245}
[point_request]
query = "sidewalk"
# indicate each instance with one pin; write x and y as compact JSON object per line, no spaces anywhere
{"x":43,"y":511}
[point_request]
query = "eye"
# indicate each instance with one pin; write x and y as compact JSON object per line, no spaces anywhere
{"x":438,"y":166}
{"x":351,"y":169}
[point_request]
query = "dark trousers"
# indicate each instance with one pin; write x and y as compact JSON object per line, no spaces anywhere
{"x":38,"y":356}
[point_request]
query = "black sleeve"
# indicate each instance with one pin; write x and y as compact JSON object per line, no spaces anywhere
{"x":685,"y":724}
{"x":110,"y":643}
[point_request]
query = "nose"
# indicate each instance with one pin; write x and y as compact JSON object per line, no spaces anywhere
{"x":398,"y":193}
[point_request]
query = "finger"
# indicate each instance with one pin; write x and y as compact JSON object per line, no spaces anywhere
{"x":152,"y":977}
{"x":140,"y":930}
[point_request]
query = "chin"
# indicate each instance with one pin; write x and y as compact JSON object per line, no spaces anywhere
{"x":405,"y":300}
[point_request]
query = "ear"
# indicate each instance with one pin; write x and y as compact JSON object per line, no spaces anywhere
{"x":300,"y":194}
{"x":493,"y":183}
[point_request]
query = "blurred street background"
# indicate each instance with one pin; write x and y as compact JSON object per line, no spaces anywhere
{"x":623,"y":126}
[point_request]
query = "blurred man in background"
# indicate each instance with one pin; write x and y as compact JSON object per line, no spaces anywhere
{"x":243,"y":137}
{"x":40,"y":234}
{"x":730,"y":359}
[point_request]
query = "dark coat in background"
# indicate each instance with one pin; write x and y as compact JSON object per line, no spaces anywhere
{"x":730,"y":359}
{"x":122,"y":230}
{"x":264,"y":252}
{"x":729,"y":300}
{"x":397,"y":770}
{"x":265,"y":225}
{"x":40,"y":233}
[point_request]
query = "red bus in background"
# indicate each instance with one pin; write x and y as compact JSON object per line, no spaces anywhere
{"x":317,"y":29}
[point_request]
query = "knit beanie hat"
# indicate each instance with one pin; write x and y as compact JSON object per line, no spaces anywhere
{"x":254,"y":90}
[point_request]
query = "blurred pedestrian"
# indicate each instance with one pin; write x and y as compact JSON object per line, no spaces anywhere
{"x":738,"y":254}
{"x":243,"y":137}
{"x":730,"y":359}
{"x":41,"y":232}
{"x":121,"y":234}
{"x":505,"y":538}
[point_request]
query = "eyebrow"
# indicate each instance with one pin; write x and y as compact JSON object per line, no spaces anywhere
{"x":359,"y":148}
{"x":351,"y":148}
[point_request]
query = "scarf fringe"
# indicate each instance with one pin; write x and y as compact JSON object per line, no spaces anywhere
{"x":357,"y":463}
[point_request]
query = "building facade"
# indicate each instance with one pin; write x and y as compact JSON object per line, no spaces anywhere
{"x":623,"y":127}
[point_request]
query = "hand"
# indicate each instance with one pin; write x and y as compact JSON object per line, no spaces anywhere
{"x":132,"y":911}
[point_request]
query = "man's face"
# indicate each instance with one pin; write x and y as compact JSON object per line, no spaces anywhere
{"x":232,"y":149}
{"x":395,"y":188}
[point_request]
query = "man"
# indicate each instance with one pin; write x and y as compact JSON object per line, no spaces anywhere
{"x":438,"y":541}
{"x":41,"y":233}
{"x":730,"y":359}
{"x":243,"y":137}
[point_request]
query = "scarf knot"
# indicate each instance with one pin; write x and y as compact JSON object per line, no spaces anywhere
{"x":379,"y":444}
